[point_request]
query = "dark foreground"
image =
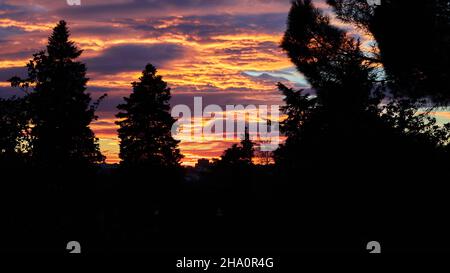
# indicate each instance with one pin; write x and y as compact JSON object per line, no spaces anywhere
{"x":258,"y":212}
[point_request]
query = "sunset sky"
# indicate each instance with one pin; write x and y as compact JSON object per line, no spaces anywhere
{"x":226,"y":51}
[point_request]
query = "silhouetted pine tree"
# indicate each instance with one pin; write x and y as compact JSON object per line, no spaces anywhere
{"x":299,"y":109}
{"x":64,"y":149}
{"x":150,"y":164}
{"x":145,"y":126}
{"x":335,"y":66}
{"x":60,"y":108}
{"x":332,"y":61}
{"x":347,"y":111}
{"x":343,"y":138}
{"x":346,"y":117}
{"x":420,"y":68}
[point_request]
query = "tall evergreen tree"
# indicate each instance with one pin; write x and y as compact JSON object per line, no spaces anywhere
{"x":61,"y":110}
{"x":145,"y":125}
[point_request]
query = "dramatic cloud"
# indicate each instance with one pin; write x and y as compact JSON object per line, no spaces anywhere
{"x":203,"y":28}
{"x":129,"y":57}
{"x":226,"y":51}
{"x":139,"y":8}
{"x":6,"y":32}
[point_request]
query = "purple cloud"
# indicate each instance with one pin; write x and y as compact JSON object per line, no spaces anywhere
{"x":132,"y":57}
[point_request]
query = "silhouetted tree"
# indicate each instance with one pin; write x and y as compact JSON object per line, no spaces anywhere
{"x":420,"y":68}
{"x":345,"y":135}
{"x":61,"y":110}
{"x":332,"y":61}
{"x":343,"y":79}
{"x":233,"y":175}
{"x":299,"y":108}
{"x":14,"y":132}
{"x":347,"y":107}
{"x":239,"y":154}
{"x":145,"y":125}
{"x":150,"y":157}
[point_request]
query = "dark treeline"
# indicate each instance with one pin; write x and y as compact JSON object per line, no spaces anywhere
{"x":364,"y":160}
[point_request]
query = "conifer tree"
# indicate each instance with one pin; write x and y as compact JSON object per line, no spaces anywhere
{"x":61,"y":110}
{"x":145,"y":125}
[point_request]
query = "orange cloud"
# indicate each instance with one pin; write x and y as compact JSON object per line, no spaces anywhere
{"x":214,"y":64}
